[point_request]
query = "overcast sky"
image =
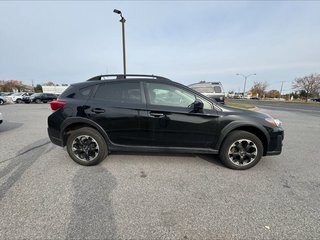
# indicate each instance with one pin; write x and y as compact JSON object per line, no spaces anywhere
{"x":67,"y":42}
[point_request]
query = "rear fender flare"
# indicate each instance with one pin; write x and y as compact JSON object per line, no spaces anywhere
{"x":79,"y":120}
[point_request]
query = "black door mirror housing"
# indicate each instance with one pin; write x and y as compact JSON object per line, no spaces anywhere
{"x":198,"y":105}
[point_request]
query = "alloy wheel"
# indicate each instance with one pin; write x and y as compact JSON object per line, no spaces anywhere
{"x":243,"y":152}
{"x":85,"y":148}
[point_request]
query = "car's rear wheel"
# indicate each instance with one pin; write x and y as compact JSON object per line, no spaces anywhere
{"x":241,"y":150}
{"x":86,"y":146}
{"x":18,"y":101}
{"x":1,"y":102}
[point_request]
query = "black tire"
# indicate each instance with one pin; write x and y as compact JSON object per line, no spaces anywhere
{"x":1,"y":102}
{"x":90,"y":138}
{"x":37,"y":100}
{"x":241,"y":150}
{"x":18,"y":101}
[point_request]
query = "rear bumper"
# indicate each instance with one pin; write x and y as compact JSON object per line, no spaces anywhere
{"x":53,"y":139}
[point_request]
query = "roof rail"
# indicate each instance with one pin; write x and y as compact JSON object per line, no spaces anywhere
{"x":127,"y":76}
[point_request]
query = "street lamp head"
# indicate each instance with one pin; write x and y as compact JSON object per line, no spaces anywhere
{"x":117,"y":11}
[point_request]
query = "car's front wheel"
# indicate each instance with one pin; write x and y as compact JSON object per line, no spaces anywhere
{"x":86,"y":146}
{"x":1,"y":102}
{"x":241,"y":150}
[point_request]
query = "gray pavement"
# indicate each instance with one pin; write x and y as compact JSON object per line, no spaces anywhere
{"x":45,"y":195}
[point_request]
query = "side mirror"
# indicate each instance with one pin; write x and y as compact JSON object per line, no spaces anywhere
{"x":198,"y":105}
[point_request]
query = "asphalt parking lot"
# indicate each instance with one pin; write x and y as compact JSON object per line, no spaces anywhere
{"x":45,"y":195}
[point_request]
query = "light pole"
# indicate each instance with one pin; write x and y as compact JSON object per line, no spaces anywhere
{"x":245,"y":80}
{"x":122,"y":20}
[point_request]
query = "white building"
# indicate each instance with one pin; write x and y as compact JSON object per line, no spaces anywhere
{"x":54,"y":89}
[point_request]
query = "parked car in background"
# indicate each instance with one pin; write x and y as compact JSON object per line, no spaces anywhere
{"x":255,"y":98}
{"x":40,"y":98}
{"x":315,"y":99}
{"x":26,"y":97}
{"x":4,"y":94}
{"x":17,"y":97}
{"x":213,"y":90}
{"x":2,"y":100}
{"x":151,"y":113}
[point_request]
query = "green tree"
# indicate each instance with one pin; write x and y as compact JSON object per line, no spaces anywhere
{"x":38,"y":88}
{"x":49,"y":84}
{"x":273,"y":94}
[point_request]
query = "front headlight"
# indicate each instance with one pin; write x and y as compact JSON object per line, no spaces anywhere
{"x":274,"y":122}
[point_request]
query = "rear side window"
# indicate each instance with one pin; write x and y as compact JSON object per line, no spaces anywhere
{"x":82,"y":93}
{"x":123,"y":92}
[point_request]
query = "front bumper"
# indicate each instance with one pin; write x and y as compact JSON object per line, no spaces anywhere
{"x":276,"y":143}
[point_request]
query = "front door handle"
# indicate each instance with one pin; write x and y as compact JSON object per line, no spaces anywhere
{"x":157,"y":115}
{"x":98,"y":110}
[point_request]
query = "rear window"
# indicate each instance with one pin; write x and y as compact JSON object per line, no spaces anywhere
{"x":208,"y":89}
{"x":217,"y":89}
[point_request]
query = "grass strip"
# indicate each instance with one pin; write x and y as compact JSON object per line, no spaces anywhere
{"x":238,"y":105}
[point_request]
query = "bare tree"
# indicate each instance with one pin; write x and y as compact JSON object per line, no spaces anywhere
{"x":310,"y":84}
{"x":259,"y":88}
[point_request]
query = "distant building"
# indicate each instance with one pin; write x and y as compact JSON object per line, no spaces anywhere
{"x":54,"y":89}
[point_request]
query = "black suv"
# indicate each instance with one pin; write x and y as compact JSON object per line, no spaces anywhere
{"x":39,"y":98}
{"x":151,"y":113}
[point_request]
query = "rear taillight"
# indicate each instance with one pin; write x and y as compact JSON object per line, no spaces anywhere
{"x":56,"y":105}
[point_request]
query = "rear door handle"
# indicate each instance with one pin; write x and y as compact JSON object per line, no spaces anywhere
{"x":98,"y":110}
{"x":157,"y":115}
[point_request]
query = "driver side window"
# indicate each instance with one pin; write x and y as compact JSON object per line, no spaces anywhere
{"x":167,"y":95}
{"x":172,"y":96}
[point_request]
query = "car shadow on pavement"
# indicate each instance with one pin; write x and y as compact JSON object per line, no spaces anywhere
{"x":211,"y":158}
{"x":214,"y":159}
{"x":19,"y":164}
{"x":7,"y":126}
{"x":92,"y":214}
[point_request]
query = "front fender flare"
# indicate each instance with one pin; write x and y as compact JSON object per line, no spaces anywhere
{"x":238,"y":124}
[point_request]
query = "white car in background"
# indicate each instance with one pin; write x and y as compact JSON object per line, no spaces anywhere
{"x":2,"y":100}
{"x":17,"y":97}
